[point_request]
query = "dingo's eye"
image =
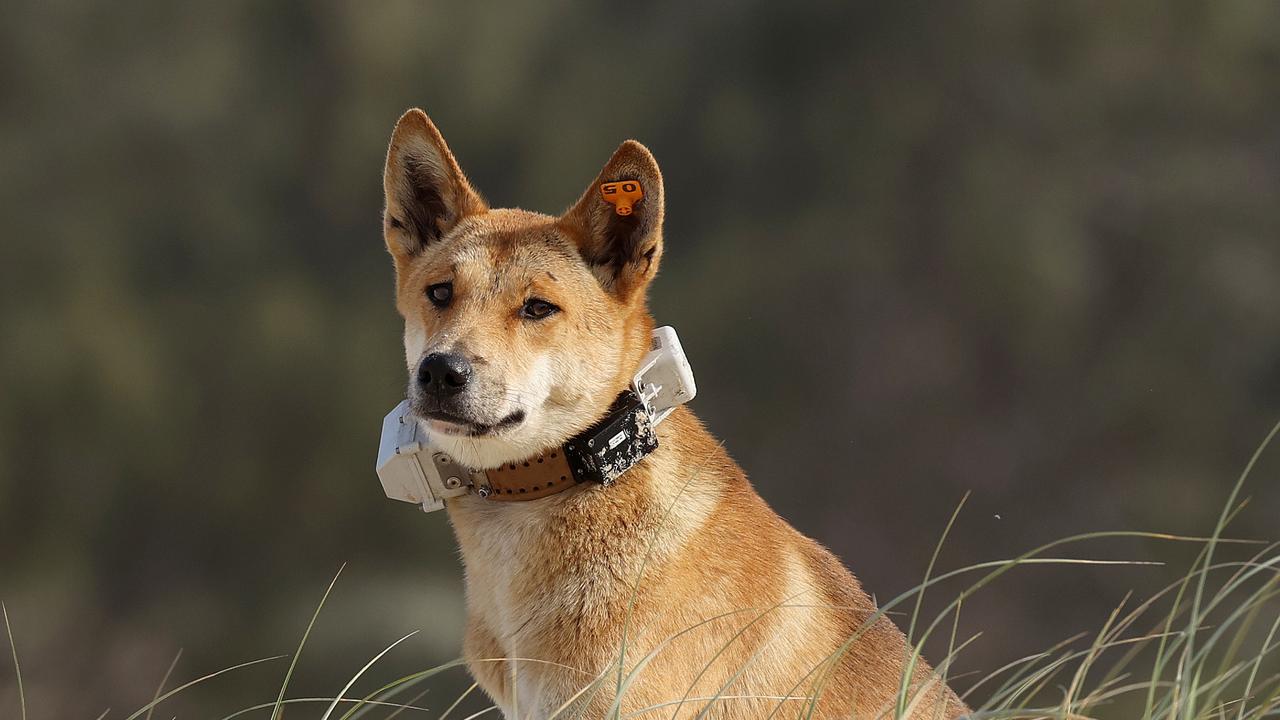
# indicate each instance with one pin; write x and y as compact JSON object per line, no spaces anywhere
{"x":535,"y":309}
{"x":440,"y":294}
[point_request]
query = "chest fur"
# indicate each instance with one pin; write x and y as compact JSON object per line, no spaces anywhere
{"x":586,"y":554}
{"x":530,"y":566}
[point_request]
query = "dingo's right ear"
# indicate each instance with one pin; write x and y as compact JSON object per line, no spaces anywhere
{"x":426,"y":192}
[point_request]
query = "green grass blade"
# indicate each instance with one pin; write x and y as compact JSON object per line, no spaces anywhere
{"x":163,"y":681}
{"x":343,"y":692}
{"x":457,"y":702}
{"x":399,"y":685}
{"x":1253,"y":672}
{"x":1192,"y":674}
{"x":909,"y":666}
{"x":17,"y":669}
{"x":142,"y":710}
{"x":644,"y":564}
{"x":317,"y":700}
{"x":293,"y":662}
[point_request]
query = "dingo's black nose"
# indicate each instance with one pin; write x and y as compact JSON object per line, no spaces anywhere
{"x":444,"y":373}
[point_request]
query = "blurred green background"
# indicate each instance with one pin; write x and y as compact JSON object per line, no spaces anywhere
{"x":1029,"y":250}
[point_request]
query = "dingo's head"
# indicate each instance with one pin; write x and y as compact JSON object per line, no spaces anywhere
{"x":520,"y":328}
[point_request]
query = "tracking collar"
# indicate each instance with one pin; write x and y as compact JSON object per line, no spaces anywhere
{"x":412,"y":471}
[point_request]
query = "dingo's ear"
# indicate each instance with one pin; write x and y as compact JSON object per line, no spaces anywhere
{"x":426,"y":192}
{"x":618,"y":226}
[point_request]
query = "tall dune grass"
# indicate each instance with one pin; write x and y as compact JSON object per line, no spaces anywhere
{"x":1202,"y":648}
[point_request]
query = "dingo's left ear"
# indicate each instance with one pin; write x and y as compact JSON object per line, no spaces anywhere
{"x":617,"y":226}
{"x":426,"y":192}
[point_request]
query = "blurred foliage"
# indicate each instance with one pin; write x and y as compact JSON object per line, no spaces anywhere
{"x":1024,"y":249}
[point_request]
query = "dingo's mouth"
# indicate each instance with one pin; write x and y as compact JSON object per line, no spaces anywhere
{"x":449,"y":424}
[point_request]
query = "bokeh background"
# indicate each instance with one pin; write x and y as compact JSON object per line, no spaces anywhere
{"x":1028,"y":250}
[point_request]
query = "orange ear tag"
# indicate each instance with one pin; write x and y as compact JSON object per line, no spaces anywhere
{"x":622,"y":195}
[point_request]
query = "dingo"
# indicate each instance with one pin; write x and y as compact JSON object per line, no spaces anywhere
{"x":676,"y":582}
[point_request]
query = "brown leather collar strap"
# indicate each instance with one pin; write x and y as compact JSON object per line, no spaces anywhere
{"x":604,"y":451}
{"x":531,"y":479}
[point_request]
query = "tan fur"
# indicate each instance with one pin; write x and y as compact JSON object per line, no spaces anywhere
{"x":713,"y":593}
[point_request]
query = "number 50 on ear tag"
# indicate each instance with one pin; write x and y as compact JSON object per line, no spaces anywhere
{"x":622,"y":195}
